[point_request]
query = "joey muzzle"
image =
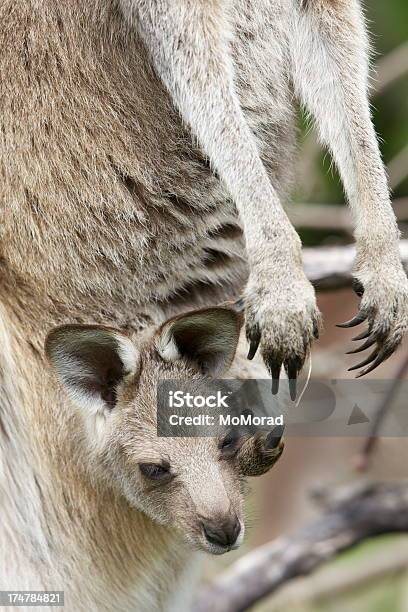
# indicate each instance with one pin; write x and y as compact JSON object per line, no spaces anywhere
{"x":223,"y":533}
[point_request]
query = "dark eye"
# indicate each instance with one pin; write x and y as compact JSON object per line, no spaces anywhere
{"x":155,"y":471}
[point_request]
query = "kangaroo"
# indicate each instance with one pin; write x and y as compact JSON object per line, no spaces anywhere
{"x":112,"y":513}
{"x":146,"y":150}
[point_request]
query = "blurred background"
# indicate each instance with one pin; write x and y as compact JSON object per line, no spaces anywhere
{"x":374,"y":575}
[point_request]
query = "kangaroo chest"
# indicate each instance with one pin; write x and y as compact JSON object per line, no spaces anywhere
{"x":107,"y":205}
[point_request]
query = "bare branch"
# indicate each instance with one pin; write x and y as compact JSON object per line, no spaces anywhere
{"x":330,"y":267}
{"x":400,"y":207}
{"x":321,"y":216}
{"x":339,"y":579}
{"x":370,"y":510}
{"x":390,"y":68}
{"x":398,"y":168}
{"x":335,"y":217}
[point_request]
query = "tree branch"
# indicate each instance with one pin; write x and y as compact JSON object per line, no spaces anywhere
{"x":336,"y":216}
{"x":368,"y":511}
{"x":398,"y":168}
{"x":390,"y":68}
{"x":330,"y":267}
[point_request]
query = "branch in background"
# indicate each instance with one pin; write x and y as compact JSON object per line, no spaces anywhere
{"x":321,"y":217}
{"x":398,"y":168}
{"x":338,"y":580}
{"x":368,"y":511}
{"x":330,"y":267}
{"x":362,"y":460}
{"x":335,"y":217}
{"x":390,"y":68}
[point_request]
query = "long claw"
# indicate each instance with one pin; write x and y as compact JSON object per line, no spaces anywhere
{"x":274,"y":437}
{"x":358,"y":287}
{"x":292,"y":375}
{"x":364,"y":346}
{"x":275,"y":371}
{"x":292,"y":388}
{"x":362,"y":336}
{"x":369,"y":359}
{"x":382,"y":356}
{"x":239,"y":304}
{"x":359,"y":318}
{"x":254,"y":338}
{"x":253,"y":347}
{"x":274,"y":366}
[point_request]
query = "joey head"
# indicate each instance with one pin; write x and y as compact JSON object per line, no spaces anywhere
{"x":193,"y":485}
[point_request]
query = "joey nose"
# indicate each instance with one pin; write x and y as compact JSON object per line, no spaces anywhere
{"x":222,"y":533}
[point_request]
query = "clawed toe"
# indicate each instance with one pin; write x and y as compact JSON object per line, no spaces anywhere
{"x":282,"y":334}
{"x":254,"y":338}
{"x":379,"y":357}
{"x":293,"y":367}
{"x":384,"y":349}
{"x":316,"y":329}
{"x":369,"y":342}
{"x":383,"y":337}
{"x":362,"y":336}
{"x":365,"y":362}
{"x":274,"y":437}
{"x":274,"y":366}
{"x":385,"y":310}
{"x":359,"y":318}
{"x":358,"y":287}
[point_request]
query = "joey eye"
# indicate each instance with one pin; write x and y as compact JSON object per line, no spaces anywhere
{"x":155,"y":471}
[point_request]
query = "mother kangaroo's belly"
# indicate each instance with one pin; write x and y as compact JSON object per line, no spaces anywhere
{"x":108,"y":210}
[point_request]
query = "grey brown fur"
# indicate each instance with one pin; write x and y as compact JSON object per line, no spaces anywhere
{"x":142,"y":145}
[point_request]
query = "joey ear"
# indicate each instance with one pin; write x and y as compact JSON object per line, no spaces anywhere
{"x":207,"y":338}
{"x":90,"y":361}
